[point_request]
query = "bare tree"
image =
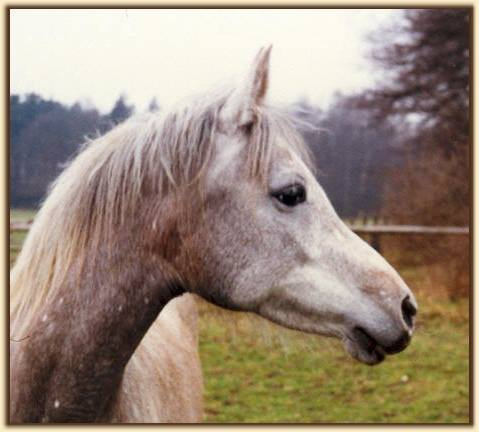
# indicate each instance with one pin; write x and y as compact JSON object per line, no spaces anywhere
{"x":426,"y":93}
{"x":426,"y":62}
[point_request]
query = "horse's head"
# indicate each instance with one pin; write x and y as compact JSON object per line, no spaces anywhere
{"x":271,"y":242}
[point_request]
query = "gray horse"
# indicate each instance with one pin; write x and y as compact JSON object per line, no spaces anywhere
{"x":215,"y":198}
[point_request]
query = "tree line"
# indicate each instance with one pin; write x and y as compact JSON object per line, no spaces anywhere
{"x":45,"y":134}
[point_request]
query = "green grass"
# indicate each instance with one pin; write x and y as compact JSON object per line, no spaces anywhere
{"x":257,"y":372}
{"x":291,"y":377}
{"x":16,"y":241}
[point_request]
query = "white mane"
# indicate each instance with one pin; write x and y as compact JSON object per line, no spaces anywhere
{"x":102,"y":186}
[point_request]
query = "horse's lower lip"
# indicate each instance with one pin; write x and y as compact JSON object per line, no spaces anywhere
{"x":369,"y":345}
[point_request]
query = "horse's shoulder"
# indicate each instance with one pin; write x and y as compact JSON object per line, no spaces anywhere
{"x":167,"y":364}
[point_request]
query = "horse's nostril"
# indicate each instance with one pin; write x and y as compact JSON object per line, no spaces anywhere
{"x":408,"y":311}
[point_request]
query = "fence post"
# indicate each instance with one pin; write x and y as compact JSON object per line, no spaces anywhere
{"x":375,"y":241}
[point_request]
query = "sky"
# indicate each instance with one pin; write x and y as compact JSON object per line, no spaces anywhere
{"x":94,"y":55}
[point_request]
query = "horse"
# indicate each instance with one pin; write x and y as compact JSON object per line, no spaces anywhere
{"x":216,"y":198}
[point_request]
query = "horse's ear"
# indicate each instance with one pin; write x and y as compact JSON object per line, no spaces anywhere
{"x":239,"y":109}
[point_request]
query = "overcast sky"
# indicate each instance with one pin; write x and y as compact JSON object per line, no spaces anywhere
{"x":94,"y":55}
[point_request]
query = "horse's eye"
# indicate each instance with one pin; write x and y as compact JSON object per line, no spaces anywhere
{"x":291,"y":195}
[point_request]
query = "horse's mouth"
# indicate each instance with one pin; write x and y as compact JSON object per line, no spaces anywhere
{"x":363,"y":347}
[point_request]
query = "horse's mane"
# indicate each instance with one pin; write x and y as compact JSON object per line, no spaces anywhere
{"x":105,"y":181}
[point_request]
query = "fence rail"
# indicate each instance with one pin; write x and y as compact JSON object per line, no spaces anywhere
{"x":408,"y":229}
{"x":360,"y":229}
{"x":374,"y":232}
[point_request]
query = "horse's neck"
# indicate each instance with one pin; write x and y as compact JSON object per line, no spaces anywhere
{"x":70,"y":366}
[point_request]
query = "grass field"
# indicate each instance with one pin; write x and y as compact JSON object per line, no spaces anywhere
{"x":258,"y":372}
{"x":254,"y":373}
{"x":21,"y":215}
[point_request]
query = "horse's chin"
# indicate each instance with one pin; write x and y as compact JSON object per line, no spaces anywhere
{"x":363,"y":350}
